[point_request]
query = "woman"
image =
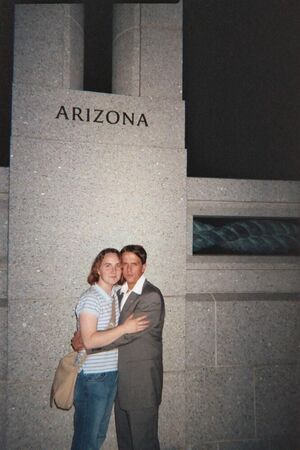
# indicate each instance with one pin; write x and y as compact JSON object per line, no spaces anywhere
{"x":96,"y":383}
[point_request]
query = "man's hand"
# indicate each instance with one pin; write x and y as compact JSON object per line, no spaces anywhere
{"x":76,"y":342}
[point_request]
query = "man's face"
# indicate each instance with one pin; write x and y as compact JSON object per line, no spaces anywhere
{"x":132,"y":268}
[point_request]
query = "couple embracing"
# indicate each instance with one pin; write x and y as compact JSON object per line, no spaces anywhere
{"x":121,"y":329}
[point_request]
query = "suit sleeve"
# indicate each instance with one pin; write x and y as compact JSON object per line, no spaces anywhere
{"x":151,"y":305}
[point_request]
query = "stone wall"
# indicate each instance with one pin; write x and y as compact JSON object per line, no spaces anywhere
{"x":242,"y":328}
{"x":88,"y":170}
{"x":4,"y":175}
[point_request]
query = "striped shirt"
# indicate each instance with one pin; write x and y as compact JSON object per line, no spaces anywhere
{"x":96,"y":301}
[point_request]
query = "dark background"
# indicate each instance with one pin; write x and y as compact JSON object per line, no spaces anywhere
{"x":240,"y":77}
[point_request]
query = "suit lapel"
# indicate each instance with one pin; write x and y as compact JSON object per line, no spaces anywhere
{"x":127,"y":308}
{"x":120,"y":296}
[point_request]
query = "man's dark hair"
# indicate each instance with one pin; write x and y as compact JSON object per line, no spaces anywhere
{"x":138,"y":250}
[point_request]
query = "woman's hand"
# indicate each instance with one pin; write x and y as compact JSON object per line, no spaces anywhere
{"x":134,"y":325}
{"x":77,"y":342}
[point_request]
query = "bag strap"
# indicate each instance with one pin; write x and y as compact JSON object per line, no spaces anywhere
{"x":80,"y":358}
{"x":112,"y":322}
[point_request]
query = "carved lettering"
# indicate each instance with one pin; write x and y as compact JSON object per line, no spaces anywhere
{"x":97,"y":118}
{"x":110,"y":117}
{"x":77,"y":113}
{"x":143,"y":120}
{"x":130,"y":120}
{"x":62,"y":111}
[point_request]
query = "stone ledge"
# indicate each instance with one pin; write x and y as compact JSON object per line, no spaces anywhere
{"x":242,"y":280}
{"x":3,"y":302}
{"x":233,"y":262}
{"x":199,"y":298}
{"x":242,"y":297}
{"x":4,"y":197}
{"x":243,"y":208}
{"x":3,"y":264}
{"x":260,"y":296}
{"x":4,"y":177}
{"x":228,"y":190}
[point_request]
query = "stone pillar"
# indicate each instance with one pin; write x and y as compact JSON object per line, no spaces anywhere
{"x":88,"y":171}
{"x":49,"y":45}
{"x":48,"y":54}
{"x":4,"y":171}
{"x":147,"y":50}
{"x":147,"y":61}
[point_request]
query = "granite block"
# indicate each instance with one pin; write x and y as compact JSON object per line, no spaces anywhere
{"x":200,"y":297}
{"x":245,"y":445}
{"x":45,"y":113}
{"x":203,"y":446}
{"x":126,"y":63}
{"x":277,"y":400}
{"x":3,"y":340}
{"x":4,"y":179}
{"x":200,"y":332}
{"x":161,"y":62}
{"x":285,"y":443}
{"x":73,"y":69}
{"x":242,"y":262}
{"x":244,"y":209}
{"x":3,"y":228}
{"x":257,"y":332}
{"x":45,"y":232}
{"x":3,"y":281}
{"x":256,"y":297}
{"x":38,"y":44}
{"x":125,"y":18}
{"x":220,"y":405}
{"x":195,"y":409}
{"x":229,"y":403}
{"x":75,"y":12}
{"x":147,"y":50}
{"x":174,"y":334}
{"x":207,"y":446}
{"x":163,"y":15}
{"x":265,"y":191}
{"x":44,"y":51}
{"x":172,"y":412}
{"x":3,"y":414}
{"x":32,"y":424}
{"x":223,"y":281}
{"x":126,"y":50}
{"x":39,"y":335}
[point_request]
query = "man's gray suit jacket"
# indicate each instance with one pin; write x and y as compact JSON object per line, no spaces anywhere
{"x":140,"y":354}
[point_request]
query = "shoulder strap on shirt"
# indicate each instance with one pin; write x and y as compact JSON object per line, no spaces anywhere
{"x":112,"y":322}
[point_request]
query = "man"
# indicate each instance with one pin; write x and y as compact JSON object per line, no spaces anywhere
{"x":140,"y":357}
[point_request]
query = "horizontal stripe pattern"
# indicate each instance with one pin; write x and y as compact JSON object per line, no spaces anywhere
{"x":96,"y":301}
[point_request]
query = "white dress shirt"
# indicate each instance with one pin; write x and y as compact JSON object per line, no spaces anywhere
{"x":137,"y":288}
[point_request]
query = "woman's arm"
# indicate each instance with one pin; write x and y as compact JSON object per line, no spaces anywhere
{"x":92,"y":338}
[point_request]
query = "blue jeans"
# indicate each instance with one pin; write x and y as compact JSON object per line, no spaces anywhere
{"x":93,"y":401}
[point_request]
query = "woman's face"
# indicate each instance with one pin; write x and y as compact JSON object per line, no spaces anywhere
{"x":110,"y":270}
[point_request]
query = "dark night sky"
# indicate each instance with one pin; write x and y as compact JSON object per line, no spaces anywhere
{"x":241,"y":83}
{"x":242,"y":87}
